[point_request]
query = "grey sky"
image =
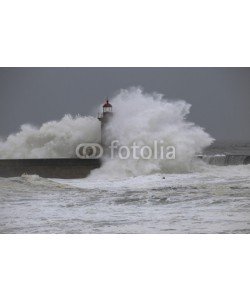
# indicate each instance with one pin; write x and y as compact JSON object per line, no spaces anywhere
{"x":220,"y":97}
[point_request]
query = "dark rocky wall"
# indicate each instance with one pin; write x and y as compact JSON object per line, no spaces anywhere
{"x":48,"y":168}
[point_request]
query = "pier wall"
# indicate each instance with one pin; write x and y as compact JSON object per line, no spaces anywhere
{"x":70,"y":168}
{"x":48,"y":168}
{"x":226,"y":160}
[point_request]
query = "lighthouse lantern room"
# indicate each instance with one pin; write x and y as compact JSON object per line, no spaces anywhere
{"x":106,"y":112}
{"x":107,"y":107}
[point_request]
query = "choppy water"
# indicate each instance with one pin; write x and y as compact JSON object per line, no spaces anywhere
{"x":209,"y":199}
{"x":212,"y":200}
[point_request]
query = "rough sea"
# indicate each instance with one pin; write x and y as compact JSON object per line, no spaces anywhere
{"x":215,"y":199}
{"x":128,"y":196}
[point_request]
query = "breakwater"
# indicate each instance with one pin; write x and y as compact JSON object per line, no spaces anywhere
{"x":226,"y":159}
{"x":70,"y":168}
{"x":49,"y":168}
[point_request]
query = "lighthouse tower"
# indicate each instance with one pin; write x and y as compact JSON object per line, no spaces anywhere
{"x":104,"y":118}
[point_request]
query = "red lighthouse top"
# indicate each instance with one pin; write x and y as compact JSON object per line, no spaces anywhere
{"x":107,"y":107}
{"x":107,"y":104}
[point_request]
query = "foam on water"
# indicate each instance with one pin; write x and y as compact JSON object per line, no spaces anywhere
{"x":131,"y":196}
{"x":206,"y":175}
{"x":213,"y":200}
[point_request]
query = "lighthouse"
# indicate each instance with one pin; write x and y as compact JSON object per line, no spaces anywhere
{"x":104,"y":118}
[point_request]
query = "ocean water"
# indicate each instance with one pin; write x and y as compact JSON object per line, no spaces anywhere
{"x":211,"y":200}
{"x":128,"y":196}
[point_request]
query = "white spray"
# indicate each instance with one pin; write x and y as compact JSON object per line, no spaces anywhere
{"x":55,"y":139}
{"x":138,"y":117}
{"x":143,"y":118}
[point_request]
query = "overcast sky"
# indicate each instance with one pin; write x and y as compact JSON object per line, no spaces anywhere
{"x":220,"y":97}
